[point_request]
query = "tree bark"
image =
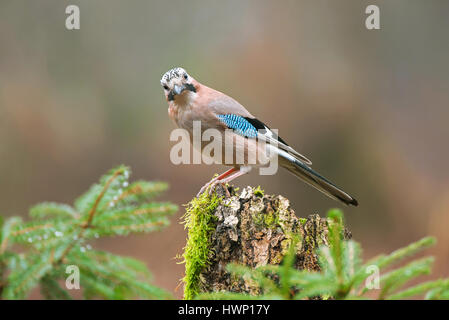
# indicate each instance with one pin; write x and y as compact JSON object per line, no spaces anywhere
{"x":254,"y":229}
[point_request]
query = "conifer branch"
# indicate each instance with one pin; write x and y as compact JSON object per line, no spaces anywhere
{"x":57,"y":233}
{"x":100,"y":196}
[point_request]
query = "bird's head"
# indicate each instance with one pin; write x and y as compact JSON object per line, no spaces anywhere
{"x":178,"y":84}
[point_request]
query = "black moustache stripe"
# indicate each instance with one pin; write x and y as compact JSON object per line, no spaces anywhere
{"x":190,"y":87}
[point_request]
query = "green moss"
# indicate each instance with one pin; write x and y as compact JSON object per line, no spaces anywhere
{"x":258,"y":219}
{"x":302,"y":221}
{"x":268,"y":220}
{"x":200,"y":223}
{"x":258,"y":192}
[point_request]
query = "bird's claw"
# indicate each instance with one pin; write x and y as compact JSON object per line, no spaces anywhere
{"x":211,"y":185}
{"x":204,"y":188}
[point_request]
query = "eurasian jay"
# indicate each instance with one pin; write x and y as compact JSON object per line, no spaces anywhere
{"x":189,"y":101}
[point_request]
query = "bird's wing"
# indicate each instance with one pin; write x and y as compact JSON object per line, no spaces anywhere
{"x":234,"y":116}
{"x":273,"y":138}
{"x":223,"y":104}
{"x":252,"y":128}
{"x":229,"y":110}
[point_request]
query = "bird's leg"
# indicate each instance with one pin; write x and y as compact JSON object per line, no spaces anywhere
{"x":234,"y":176}
{"x":226,"y":180}
{"x":213,"y":183}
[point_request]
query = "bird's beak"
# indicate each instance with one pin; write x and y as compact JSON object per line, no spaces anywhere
{"x":178,"y":89}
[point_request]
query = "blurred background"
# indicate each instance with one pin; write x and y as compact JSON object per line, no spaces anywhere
{"x":369,"y":107}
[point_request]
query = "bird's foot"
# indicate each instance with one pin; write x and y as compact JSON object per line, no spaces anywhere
{"x":204,"y":188}
{"x":215,"y":184}
{"x":211,"y":185}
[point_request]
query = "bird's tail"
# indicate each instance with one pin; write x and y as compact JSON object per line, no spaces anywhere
{"x":305,"y":173}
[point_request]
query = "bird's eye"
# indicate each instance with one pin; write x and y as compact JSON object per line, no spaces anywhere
{"x":185,"y":76}
{"x":165,"y":87}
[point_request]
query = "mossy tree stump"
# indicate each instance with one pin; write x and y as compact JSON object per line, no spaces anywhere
{"x":249,"y":228}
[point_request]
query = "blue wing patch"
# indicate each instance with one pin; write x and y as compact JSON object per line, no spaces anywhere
{"x":239,"y":124}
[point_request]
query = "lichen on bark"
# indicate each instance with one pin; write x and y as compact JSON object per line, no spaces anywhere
{"x":251,"y":229}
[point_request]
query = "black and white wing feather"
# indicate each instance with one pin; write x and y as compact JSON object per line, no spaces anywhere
{"x":290,"y":159}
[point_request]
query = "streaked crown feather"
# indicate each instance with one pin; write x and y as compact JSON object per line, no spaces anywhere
{"x":173,"y":73}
